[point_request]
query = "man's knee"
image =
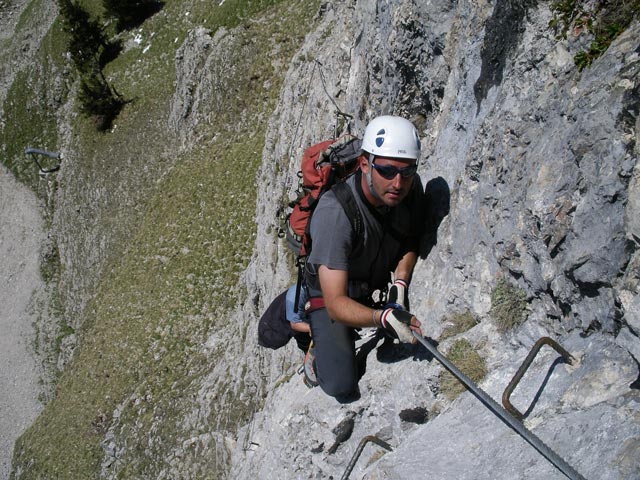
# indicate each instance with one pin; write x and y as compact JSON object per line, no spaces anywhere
{"x":340,"y":386}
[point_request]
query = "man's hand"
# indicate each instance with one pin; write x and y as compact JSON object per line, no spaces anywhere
{"x":400,"y":323}
{"x":399,"y":294}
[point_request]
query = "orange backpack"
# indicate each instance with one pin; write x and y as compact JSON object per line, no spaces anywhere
{"x":325,"y":165}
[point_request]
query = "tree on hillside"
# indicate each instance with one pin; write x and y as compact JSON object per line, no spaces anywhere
{"x":99,"y":100}
{"x":90,"y":49}
{"x":130,"y":13}
{"x":86,"y":40}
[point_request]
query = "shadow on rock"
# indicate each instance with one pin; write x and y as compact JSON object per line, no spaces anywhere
{"x":390,"y":352}
{"x":437,"y":199}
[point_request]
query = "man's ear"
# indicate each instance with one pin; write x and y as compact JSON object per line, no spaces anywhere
{"x":364,"y":163}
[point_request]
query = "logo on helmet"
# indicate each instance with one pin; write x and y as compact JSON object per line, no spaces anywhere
{"x":380,"y":137}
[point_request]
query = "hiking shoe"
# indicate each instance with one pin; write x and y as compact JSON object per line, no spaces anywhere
{"x":310,"y":379}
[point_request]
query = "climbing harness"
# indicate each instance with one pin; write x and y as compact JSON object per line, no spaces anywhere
{"x":37,"y":151}
{"x":512,"y":422}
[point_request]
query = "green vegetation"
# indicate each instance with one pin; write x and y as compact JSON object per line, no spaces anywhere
{"x":458,"y":323}
{"x":508,"y":306}
{"x":604,"y":20}
{"x":230,"y":14}
{"x":181,"y":229}
{"x":50,"y":264}
{"x":464,"y":356}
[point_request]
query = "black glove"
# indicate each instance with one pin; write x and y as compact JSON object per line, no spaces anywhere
{"x":398,"y":323}
{"x":398,"y":295}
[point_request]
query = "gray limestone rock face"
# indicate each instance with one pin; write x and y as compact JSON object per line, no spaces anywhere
{"x":536,"y":177}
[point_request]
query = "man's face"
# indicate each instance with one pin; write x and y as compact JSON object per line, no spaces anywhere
{"x":391,"y":191}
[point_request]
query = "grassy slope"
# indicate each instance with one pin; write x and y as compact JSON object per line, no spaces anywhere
{"x":166,"y":290}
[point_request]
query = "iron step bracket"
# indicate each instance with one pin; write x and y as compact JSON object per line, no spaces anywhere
{"x":525,"y":366}
{"x":358,"y":452}
{"x":502,"y":413}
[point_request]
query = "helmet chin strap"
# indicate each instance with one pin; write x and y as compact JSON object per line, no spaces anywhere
{"x":374,"y":194}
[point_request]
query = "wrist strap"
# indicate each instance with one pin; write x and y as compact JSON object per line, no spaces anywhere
{"x":373,"y":317}
{"x":401,"y":282}
{"x":393,"y":306}
{"x":383,"y":317}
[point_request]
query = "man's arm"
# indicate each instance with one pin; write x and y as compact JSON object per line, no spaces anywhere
{"x":335,"y":287}
{"x":404,"y":269}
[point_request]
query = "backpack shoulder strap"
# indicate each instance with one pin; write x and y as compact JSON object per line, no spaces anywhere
{"x":347,"y":201}
{"x":345,"y":197}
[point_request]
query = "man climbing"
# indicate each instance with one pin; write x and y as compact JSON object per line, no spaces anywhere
{"x":343,"y":271}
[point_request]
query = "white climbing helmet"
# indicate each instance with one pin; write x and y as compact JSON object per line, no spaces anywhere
{"x":390,"y":136}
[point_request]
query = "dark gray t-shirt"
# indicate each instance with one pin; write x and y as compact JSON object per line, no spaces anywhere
{"x":388,"y":234}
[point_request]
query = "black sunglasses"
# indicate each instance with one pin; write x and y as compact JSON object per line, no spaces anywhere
{"x":389,"y":172}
